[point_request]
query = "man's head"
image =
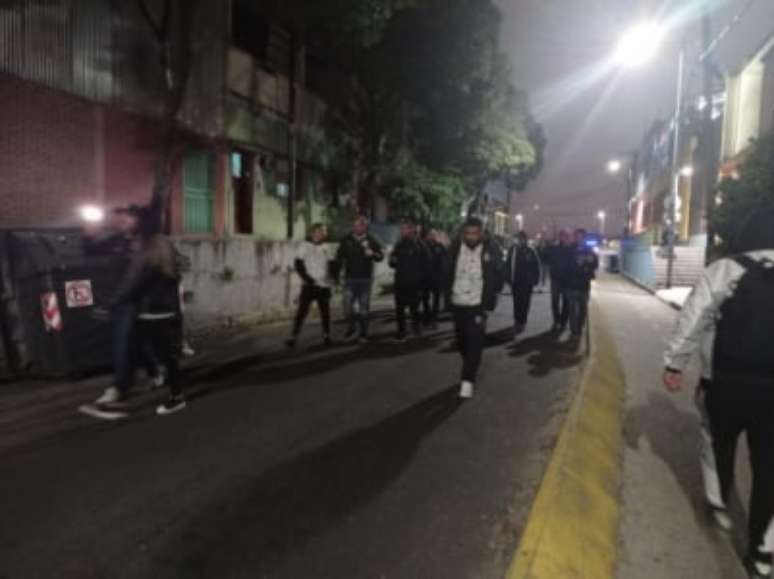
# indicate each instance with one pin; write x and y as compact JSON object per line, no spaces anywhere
{"x":408,"y":229}
{"x":317,"y":233}
{"x":580,"y":236}
{"x":360,"y":225}
{"x":564,"y":237}
{"x":472,"y":232}
{"x":522,"y":239}
{"x":125,"y":219}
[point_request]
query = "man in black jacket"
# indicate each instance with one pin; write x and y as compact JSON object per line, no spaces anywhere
{"x":357,"y":254}
{"x":576,"y":280}
{"x":523,"y":274}
{"x":560,"y":255}
{"x":410,"y":262}
{"x":431,"y":293}
{"x":475,"y":280}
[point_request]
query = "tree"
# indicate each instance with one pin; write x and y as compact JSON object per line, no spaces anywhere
{"x":171,"y":22}
{"x":742,"y":198}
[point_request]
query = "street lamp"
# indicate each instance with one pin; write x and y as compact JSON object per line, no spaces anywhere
{"x":602,"y":216}
{"x":92,"y":214}
{"x":614,"y":166}
{"x":637,"y":47}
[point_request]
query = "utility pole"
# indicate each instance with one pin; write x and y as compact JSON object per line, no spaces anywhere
{"x":675,"y":193}
{"x":292,"y":161}
{"x":709,"y":158}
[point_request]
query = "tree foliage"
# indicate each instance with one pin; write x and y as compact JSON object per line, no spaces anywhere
{"x":746,"y":196}
{"x":429,"y":97}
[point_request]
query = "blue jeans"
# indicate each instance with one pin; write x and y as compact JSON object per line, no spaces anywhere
{"x":357,"y":303}
{"x":578,"y":308}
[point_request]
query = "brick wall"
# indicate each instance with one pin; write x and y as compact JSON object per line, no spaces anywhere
{"x":58,"y":152}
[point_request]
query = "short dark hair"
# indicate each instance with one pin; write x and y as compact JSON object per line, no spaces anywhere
{"x":316,"y":227}
{"x":473,"y":222}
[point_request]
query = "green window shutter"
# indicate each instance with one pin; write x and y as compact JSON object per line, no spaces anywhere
{"x":199,"y":189}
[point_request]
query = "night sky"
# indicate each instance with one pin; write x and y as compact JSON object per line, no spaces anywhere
{"x":592,"y":112}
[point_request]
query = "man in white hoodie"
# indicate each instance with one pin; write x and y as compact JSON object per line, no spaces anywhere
{"x":729,"y":319}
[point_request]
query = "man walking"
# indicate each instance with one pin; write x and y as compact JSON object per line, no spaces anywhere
{"x":410,"y":262}
{"x":729,"y":319}
{"x":431,"y":293}
{"x":357,"y":254}
{"x":476,"y":280}
{"x":580,"y":270}
{"x":559,"y":257}
{"x":313,"y":265}
{"x":522,"y":274}
{"x":150,"y":289}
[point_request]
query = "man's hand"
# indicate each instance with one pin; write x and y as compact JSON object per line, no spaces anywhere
{"x":673,"y":380}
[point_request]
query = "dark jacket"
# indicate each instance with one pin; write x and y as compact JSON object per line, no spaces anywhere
{"x":152,"y":280}
{"x":410,"y":260}
{"x":437,"y":256}
{"x":523,"y":267}
{"x":580,"y":269}
{"x":560,"y":258}
{"x":492,"y":267}
{"x":351,"y":257}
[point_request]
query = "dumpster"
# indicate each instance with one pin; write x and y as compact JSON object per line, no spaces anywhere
{"x":50,"y":283}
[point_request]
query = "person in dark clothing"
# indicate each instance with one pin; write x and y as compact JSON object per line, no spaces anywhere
{"x":576,"y":280}
{"x":431,"y":293}
{"x":150,"y":290}
{"x":313,"y":265}
{"x":410,"y":261}
{"x":729,"y":320}
{"x":475,"y":279}
{"x":559,"y":257}
{"x":522,"y":274}
{"x":356,"y":256}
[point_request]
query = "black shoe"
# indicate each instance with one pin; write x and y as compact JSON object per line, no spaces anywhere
{"x":350,"y":335}
{"x":290,"y":343}
{"x":173,"y":404}
{"x":327,"y":341}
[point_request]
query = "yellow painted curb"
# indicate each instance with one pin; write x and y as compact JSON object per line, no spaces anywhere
{"x":572,"y":529}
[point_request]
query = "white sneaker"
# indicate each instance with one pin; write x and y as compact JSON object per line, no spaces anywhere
{"x":110,"y":396}
{"x":722,"y":519}
{"x":466,"y":389}
{"x":759,"y":570}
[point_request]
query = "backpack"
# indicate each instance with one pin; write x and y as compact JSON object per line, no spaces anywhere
{"x":744,"y":339}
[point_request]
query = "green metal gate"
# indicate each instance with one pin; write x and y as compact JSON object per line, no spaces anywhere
{"x":199,"y":188}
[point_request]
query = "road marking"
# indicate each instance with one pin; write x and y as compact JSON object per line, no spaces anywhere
{"x":572,"y":529}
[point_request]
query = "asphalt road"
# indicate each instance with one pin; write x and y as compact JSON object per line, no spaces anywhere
{"x":355,"y":462}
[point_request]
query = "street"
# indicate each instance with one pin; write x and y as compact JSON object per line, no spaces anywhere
{"x":354,"y":462}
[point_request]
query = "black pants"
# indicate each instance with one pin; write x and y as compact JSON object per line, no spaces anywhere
{"x":161,"y":337}
{"x":309,"y":294}
{"x":733,"y":409}
{"x":470,"y":327}
{"x":407,"y":298}
{"x":431,"y":304}
{"x":522,"y":299}
{"x":578,"y":308}
{"x":558,"y":304}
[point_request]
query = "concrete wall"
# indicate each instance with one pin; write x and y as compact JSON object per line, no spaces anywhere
{"x":242,"y":279}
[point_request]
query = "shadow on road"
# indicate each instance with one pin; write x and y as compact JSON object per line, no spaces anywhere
{"x":661,"y":423}
{"x":252,"y":530}
{"x":546,"y":353}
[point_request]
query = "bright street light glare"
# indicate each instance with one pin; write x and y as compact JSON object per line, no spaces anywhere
{"x":686,"y":171}
{"x":638,"y":45}
{"x":614,"y":166}
{"x":92,"y":213}
{"x":601,"y":214}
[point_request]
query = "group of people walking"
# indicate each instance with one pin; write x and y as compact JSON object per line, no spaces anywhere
{"x":469,"y":275}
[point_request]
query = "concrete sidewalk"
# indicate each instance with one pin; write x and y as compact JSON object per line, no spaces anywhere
{"x":665,"y":531}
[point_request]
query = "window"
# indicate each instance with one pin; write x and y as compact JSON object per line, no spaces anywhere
{"x":242,"y":171}
{"x":198,"y":192}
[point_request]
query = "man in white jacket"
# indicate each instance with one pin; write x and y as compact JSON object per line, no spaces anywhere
{"x":729,"y":319}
